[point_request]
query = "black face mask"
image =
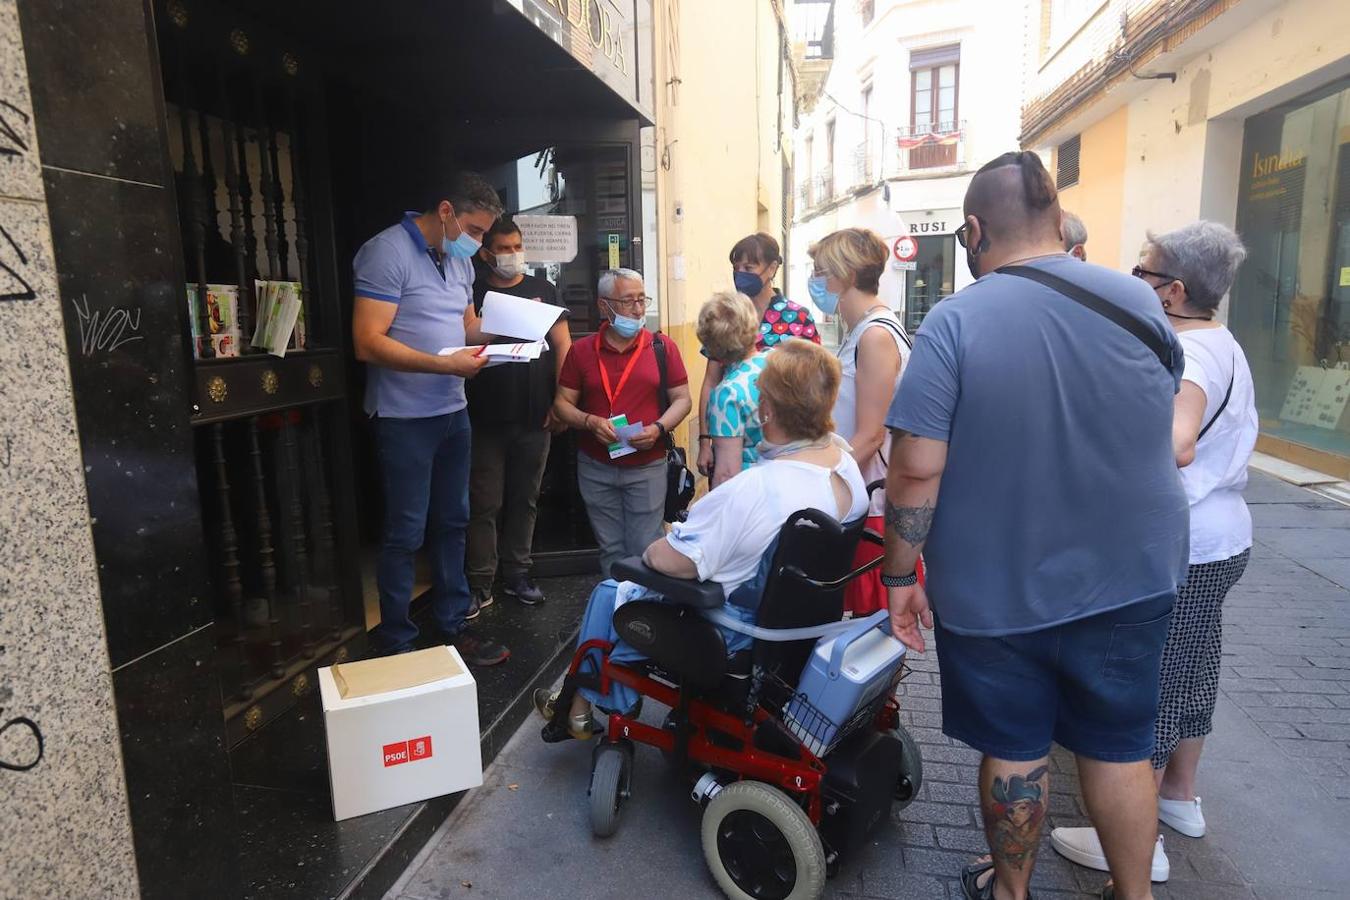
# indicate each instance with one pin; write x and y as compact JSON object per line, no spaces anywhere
{"x":972,"y":263}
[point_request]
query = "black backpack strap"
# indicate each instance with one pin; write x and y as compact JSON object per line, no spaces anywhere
{"x":659,"y":348}
{"x":1222,"y":406}
{"x":1101,"y":307}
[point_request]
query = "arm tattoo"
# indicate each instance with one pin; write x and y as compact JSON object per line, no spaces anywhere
{"x":910,"y":523}
{"x":1013,"y":813}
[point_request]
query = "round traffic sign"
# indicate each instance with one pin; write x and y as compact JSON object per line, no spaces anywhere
{"x":906,"y":249}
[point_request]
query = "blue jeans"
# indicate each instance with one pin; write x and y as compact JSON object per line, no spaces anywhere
{"x":424,"y":469}
{"x":1090,"y":685}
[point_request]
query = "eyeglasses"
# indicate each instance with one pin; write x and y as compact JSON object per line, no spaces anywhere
{"x":962,"y":233}
{"x":629,"y":303}
{"x":1140,"y":272}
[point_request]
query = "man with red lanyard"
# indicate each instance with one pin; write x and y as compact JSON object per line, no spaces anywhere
{"x":613,"y":373}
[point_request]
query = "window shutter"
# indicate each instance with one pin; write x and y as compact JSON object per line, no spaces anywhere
{"x":1066,"y":162}
{"x":934,"y":56}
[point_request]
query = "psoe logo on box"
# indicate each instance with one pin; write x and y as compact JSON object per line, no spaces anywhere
{"x":395,"y":754}
{"x":407,"y":751}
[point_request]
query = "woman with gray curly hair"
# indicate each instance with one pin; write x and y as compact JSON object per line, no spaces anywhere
{"x":1213,"y":434}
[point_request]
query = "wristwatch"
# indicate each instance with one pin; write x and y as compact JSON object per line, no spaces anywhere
{"x":661,"y":428}
{"x":900,"y":580}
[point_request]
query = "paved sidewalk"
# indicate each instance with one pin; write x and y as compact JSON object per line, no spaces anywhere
{"x":1275,"y":779}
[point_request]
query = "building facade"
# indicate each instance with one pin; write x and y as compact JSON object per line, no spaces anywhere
{"x":1156,"y":114}
{"x":902,"y":102}
{"x":189,"y":525}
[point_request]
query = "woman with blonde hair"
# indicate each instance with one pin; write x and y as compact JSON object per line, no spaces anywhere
{"x":848,"y":267}
{"x":727,"y":327}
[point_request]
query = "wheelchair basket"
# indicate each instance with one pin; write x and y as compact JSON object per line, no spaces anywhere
{"x":808,"y":724}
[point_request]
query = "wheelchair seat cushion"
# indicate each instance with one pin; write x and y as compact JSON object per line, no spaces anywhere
{"x":681,"y":591}
{"x":680,"y":641}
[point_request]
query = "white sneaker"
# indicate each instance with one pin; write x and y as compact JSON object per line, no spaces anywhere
{"x":1082,"y":846}
{"x":1183,"y":815}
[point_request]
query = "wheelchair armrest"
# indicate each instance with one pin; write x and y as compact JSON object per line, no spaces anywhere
{"x":683,"y":591}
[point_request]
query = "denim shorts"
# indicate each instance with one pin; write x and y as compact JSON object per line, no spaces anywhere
{"x":1090,"y":685}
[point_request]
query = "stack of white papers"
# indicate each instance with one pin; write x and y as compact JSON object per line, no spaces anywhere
{"x":525,"y":351}
{"x":515,"y":317}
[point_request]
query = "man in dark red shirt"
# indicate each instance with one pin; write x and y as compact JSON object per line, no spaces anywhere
{"x":613,"y":373}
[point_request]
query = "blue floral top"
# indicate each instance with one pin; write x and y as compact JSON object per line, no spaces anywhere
{"x":733,"y":407}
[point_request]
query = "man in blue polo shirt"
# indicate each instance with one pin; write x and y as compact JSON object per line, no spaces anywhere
{"x":414,"y":291}
{"x":1034,"y":469}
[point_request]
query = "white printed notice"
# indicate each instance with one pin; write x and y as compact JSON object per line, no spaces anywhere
{"x":525,"y":351}
{"x":548,"y":239}
{"x":516,"y":317}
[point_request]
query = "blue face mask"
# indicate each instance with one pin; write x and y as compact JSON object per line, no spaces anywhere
{"x":821,"y":296}
{"x":624,"y":325}
{"x":461,"y":247}
{"x":748,"y":283}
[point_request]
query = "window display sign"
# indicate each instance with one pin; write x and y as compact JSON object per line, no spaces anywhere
{"x":548,"y":239}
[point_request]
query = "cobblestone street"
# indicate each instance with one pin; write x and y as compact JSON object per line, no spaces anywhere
{"x":1275,"y":778}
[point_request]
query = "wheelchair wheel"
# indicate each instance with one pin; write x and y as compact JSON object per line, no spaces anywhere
{"x":609,"y":788}
{"x":910,"y":779}
{"x":760,"y":845}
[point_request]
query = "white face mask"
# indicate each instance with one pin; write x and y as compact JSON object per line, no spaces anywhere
{"x":509,"y":265}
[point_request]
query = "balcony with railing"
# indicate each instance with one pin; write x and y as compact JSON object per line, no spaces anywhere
{"x":823,"y":188}
{"x":938,"y":145}
{"x":863,"y":171}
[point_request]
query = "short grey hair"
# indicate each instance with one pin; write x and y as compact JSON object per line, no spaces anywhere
{"x":607,"y":278}
{"x":1204,"y":255}
{"x":470,"y":192}
{"x":1073,"y":231}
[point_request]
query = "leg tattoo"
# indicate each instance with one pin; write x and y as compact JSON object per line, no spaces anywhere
{"x":1012,"y":817}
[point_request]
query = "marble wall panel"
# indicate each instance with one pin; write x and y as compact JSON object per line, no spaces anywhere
{"x":64,"y":824}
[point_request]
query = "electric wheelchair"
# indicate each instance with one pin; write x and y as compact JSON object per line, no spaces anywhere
{"x":780,"y":808}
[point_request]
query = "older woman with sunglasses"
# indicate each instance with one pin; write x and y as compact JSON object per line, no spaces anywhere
{"x":1213,"y":434}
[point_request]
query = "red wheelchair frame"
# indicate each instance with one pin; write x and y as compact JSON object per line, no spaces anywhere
{"x":798,"y":777}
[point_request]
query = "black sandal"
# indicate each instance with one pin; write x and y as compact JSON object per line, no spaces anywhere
{"x":970,"y":879}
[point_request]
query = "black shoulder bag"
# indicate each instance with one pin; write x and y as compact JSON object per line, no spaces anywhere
{"x":1104,"y":308}
{"x":679,"y":480}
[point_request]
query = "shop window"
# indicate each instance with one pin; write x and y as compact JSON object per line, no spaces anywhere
{"x":932,"y":279}
{"x":1290,"y":305}
{"x":1066,"y":162}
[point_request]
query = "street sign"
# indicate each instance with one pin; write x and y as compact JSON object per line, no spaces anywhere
{"x":906,"y":249}
{"x":613,"y":251}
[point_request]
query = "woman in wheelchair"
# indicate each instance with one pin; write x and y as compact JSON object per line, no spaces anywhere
{"x":802,"y":465}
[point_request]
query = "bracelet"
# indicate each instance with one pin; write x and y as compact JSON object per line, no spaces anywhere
{"x":661,"y":428}
{"x":705,"y":437}
{"x":900,"y":580}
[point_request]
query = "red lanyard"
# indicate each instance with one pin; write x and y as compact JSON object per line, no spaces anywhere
{"x":613,"y":393}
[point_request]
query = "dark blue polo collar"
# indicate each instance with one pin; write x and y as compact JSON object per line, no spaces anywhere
{"x":420,"y":242}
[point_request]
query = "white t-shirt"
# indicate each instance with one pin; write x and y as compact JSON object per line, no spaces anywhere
{"x":846,"y":404}
{"x":729,"y":530}
{"x":1221,"y":525}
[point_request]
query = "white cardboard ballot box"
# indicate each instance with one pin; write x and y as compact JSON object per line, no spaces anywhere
{"x":400,"y":729}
